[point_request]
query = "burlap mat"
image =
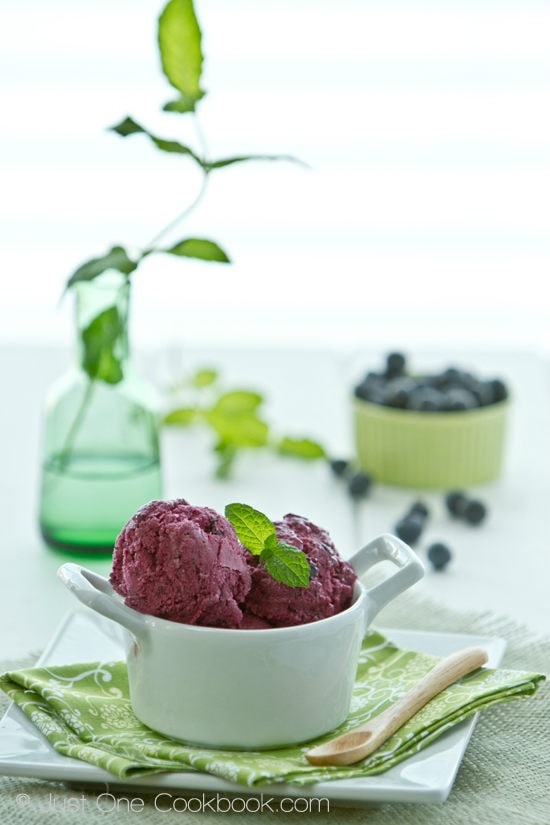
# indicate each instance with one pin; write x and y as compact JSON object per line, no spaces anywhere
{"x":504,"y":778}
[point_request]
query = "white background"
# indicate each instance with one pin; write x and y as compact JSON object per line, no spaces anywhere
{"x":422,"y":220}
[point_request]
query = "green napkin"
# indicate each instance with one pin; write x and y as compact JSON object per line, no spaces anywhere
{"x":84,"y":711}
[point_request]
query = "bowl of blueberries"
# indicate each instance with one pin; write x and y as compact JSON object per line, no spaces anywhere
{"x":436,"y":430}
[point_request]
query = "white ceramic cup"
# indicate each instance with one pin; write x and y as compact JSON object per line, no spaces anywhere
{"x":248,"y":689}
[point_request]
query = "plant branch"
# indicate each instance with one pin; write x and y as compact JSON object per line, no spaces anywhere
{"x":65,"y":453}
{"x":150,"y":247}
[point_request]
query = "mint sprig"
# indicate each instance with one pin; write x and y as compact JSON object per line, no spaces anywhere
{"x":235,"y":418}
{"x":285,"y":563}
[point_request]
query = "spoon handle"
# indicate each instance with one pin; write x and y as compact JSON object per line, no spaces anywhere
{"x":355,"y":744}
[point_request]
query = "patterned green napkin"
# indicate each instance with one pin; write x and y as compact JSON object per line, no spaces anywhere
{"x":85,"y":712}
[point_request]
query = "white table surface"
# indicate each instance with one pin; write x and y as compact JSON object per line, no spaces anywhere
{"x":502,"y":566}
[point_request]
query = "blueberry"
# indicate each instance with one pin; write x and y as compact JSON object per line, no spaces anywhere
{"x":460,"y":398}
{"x":500,"y":391}
{"x":362,"y":391}
{"x":475,"y":512}
{"x":456,"y":502}
{"x":451,"y":377}
{"x":359,"y":484}
{"x":471,"y":510}
{"x":339,"y":467}
{"x":439,"y":555}
{"x":398,"y":391}
{"x":409,"y":528}
{"x":483,"y":391}
{"x":395,"y":364}
{"x":426,"y":399}
{"x":447,"y":390}
{"x":419,"y":508}
{"x":371,"y":388}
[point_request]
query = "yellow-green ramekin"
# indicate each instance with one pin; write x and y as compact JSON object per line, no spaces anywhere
{"x":431,"y":450}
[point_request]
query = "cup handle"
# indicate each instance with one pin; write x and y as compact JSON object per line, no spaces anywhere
{"x":387,"y":548}
{"x":96,"y":592}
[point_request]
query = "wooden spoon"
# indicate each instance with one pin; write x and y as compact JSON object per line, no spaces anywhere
{"x":354,"y":745}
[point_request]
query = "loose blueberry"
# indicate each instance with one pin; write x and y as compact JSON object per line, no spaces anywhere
{"x":420,"y":509}
{"x":439,"y":555}
{"x":475,"y":512}
{"x":410,"y":528}
{"x":339,"y":467}
{"x":456,"y":501}
{"x":359,"y":484}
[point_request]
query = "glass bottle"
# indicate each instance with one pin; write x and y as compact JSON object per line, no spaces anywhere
{"x":101,"y":454}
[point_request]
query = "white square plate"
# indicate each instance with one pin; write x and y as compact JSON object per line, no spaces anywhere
{"x":426,"y":777}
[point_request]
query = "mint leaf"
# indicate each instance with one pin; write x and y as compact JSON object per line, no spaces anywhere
{"x":233,"y":417}
{"x":251,"y":526}
{"x":174,"y":146}
{"x":129,"y":126}
{"x":238,"y":402}
{"x":200,"y":248}
{"x":179,"y":40}
{"x":182,"y":416}
{"x":117,"y":258}
{"x":99,"y":339}
{"x":126,"y":127}
{"x":300,"y":448}
{"x":239,"y":431}
{"x":286,"y":564}
{"x":204,"y":377}
{"x":182,"y":104}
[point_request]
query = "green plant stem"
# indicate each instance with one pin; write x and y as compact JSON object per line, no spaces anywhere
{"x":150,"y":247}
{"x":67,"y":449}
{"x":152,"y":244}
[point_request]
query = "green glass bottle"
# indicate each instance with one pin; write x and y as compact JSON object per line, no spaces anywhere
{"x":101,"y":453}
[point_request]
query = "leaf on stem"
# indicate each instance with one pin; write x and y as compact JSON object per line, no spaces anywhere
{"x":238,"y":402}
{"x":129,"y":126}
{"x":219,"y":164}
{"x":301,"y":448}
{"x":126,"y":127}
{"x":286,"y":564}
{"x":182,"y":416}
{"x":179,"y":40}
{"x":252,"y":527}
{"x":175,"y":147}
{"x":233,"y":417}
{"x":244,"y":430}
{"x":204,"y":377}
{"x":200,"y":248}
{"x":117,"y":258}
{"x":99,"y":338}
